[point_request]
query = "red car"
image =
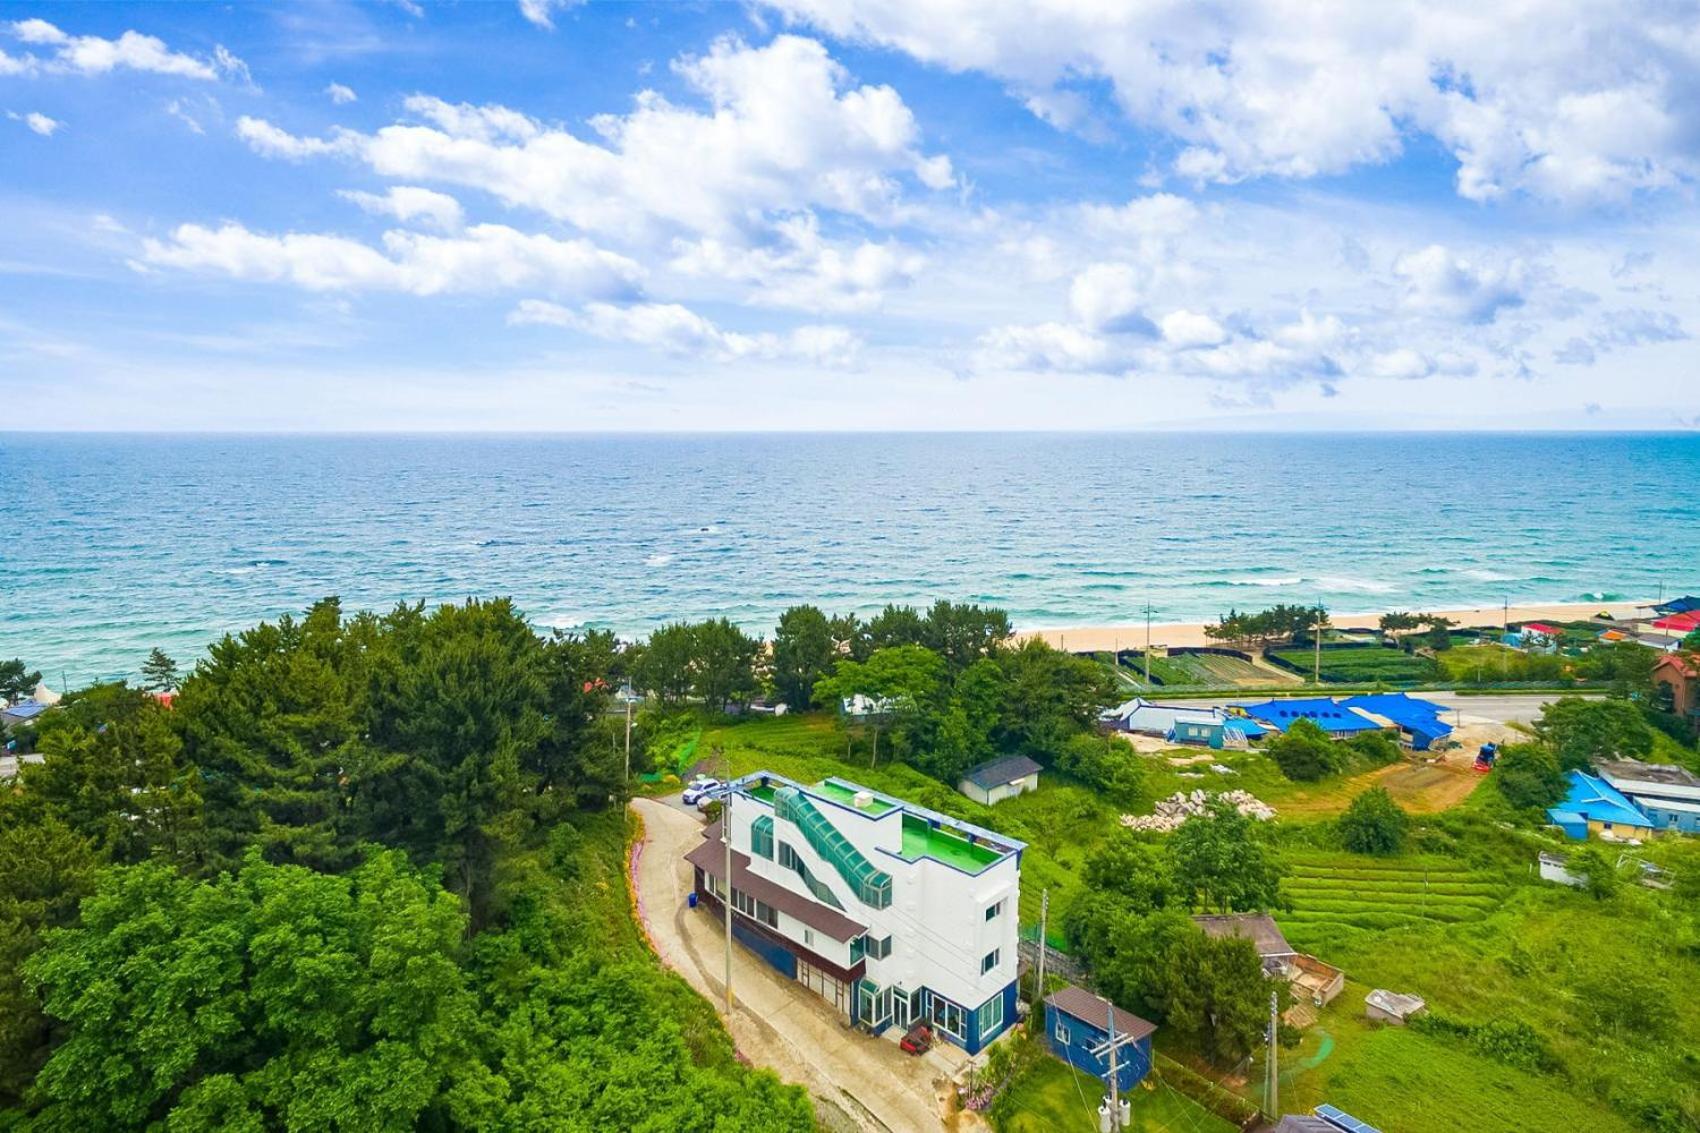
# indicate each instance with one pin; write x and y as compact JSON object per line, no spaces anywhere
{"x":918,"y":1040}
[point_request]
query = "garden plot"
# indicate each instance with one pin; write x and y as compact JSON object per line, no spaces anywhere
{"x":1329,"y":892}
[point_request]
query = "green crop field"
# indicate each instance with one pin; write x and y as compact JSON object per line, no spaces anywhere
{"x":1335,"y":893}
{"x":1364,"y":665}
{"x":1206,"y":670}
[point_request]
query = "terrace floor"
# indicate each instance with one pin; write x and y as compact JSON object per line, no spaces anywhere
{"x":922,"y":840}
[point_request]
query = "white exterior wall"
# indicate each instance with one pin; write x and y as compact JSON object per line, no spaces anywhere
{"x":937,"y":917}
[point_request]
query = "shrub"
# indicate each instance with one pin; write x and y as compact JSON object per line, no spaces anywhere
{"x":1529,"y":777}
{"x":1374,"y":824}
{"x":1305,"y":753}
{"x":1373,"y":749}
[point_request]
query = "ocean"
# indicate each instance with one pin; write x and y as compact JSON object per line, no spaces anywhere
{"x":112,"y":545}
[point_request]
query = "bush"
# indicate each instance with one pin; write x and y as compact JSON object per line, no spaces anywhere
{"x":1305,"y":753}
{"x":1374,"y":824}
{"x":1582,"y":732}
{"x":1373,"y":749}
{"x":1528,"y":776}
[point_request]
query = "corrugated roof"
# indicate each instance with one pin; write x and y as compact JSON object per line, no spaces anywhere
{"x":1598,"y":801}
{"x":710,"y":857}
{"x":1329,"y":715}
{"x":1095,"y":1011}
{"x":998,"y":772}
{"x":1409,"y":712}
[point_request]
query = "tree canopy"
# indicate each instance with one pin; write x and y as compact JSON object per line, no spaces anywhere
{"x":1220,"y":864}
{"x":1374,"y":824}
{"x":1584,"y":730}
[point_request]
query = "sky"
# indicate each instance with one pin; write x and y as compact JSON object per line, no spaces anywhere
{"x":832,"y":215}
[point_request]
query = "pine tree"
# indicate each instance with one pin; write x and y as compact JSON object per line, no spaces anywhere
{"x":159,"y":672}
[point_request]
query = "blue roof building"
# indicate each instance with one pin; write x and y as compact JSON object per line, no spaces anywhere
{"x":1420,"y":719}
{"x":1594,"y":806}
{"x":22,"y":712}
{"x":1687,"y":604}
{"x":1331,"y":716}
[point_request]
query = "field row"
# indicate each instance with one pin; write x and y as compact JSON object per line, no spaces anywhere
{"x":1312,"y":885}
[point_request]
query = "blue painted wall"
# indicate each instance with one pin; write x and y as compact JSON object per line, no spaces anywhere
{"x":1133,"y":1063}
{"x":1670,"y":819}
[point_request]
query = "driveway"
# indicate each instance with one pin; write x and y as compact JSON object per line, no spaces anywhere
{"x":775,"y":1022}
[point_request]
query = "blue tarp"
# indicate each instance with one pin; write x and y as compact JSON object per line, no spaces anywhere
{"x":1329,"y":715}
{"x":1594,"y":800}
{"x":1687,"y":604}
{"x":1421,"y":718}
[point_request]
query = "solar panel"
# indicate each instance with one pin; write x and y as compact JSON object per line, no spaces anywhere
{"x":1343,"y":1120}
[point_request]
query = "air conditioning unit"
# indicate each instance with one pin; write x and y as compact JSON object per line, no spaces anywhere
{"x":863,"y":800}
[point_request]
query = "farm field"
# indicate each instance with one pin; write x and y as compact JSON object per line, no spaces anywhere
{"x":1336,"y":893}
{"x":1208,"y":670}
{"x":1365,"y":664}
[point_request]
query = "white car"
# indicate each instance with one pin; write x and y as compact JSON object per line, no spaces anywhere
{"x":698,"y":788}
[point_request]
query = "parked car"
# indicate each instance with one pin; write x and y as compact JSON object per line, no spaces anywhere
{"x":697,"y":788}
{"x":917,"y":1040}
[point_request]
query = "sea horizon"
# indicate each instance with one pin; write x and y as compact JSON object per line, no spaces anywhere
{"x":114,"y":543}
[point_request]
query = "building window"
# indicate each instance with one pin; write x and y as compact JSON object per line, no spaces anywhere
{"x":991,"y":1016}
{"x":989,"y":962}
{"x":879,"y":949}
{"x":947,"y":1017}
{"x":761,"y":836}
{"x":858,"y":949}
{"x":1062,"y":1031}
{"x":994,"y":910}
{"x":809,"y":936}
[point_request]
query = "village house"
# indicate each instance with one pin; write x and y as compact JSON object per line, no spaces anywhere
{"x":1077,"y":1029}
{"x":892,"y":913}
{"x":1000,"y":779}
{"x":1594,"y":806}
{"x":1667,"y":794}
{"x":1676,"y":687}
{"x":1265,"y":935}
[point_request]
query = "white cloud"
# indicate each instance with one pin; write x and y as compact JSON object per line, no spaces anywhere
{"x":340,"y":94}
{"x":674,"y":329}
{"x":93,"y":55}
{"x":486,"y":257}
{"x":270,"y":141}
{"x":38,"y":122}
{"x":799,"y":268}
{"x":1294,"y":89}
{"x":1108,"y":296}
{"x":1186,"y":329}
{"x":1438,"y":282}
{"x":1048,"y":346}
{"x":784,"y":132}
{"x":542,"y":12}
{"x":408,"y":203}
{"x":177,"y":110}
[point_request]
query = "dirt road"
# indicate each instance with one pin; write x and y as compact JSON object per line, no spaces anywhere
{"x":775,"y":1021}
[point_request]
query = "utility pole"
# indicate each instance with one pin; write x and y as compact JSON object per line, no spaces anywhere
{"x":1115,"y":1087}
{"x":1316,"y":640}
{"x":1044,"y":920}
{"x":628,"y":777}
{"x":1272,"y":1087}
{"x":1148,"y":643}
{"x":726,"y":837}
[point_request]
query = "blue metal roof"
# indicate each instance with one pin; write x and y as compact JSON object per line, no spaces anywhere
{"x":1687,"y":604}
{"x":1409,"y":712}
{"x":1343,"y":1120}
{"x":1596,"y":800}
{"x":1329,"y":715}
{"x":25,"y":710}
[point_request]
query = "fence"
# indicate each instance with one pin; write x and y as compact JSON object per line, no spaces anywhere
{"x":1224,"y":1103}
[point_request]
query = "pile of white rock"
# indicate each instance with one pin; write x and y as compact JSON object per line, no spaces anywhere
{"x":1182,"y":805}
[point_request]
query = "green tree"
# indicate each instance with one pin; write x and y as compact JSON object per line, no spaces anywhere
{"x":803,"y":651}
{"x":1583,"y":731}
{"x":1374,"y":824}
{"x":580,"y":760}
{"x":274,"y":719}
{"x":1439,"y":636}
{"x":1049,"y":696}
{"x":461,"y":708}
{"x":1220,"y":864}
{"x":16,"y":681}
{"x":159,"y":672}
{"x":1529,"y":777}
{"x":1215,"y":992}
{"x":1304,"y":752}
{"x":46,"y":868}
{"x":1400,"y":622}
{"x":723,"y":660}
{"x":664,"y":667}
{"x":279,"y":997}
{"x":904,"y":683}
{"x":1373,"y":749}
{"x":963,"y":633}
{"x":1128,"y":865}
{"x":1691,"y":643}
{"x":891,"y":627}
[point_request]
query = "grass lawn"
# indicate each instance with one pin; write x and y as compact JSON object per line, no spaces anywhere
{"x":1056,"y":1098}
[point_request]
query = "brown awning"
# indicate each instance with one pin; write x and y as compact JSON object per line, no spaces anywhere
{"x":710,"y":857}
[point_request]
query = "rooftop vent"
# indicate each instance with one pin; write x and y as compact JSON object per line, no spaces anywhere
{"x":863,"y":800}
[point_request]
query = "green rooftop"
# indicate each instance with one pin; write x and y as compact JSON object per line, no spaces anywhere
{"x":839,"y":793}
{"x":921,"y":839}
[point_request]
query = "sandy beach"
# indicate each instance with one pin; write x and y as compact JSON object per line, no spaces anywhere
{"x":1173,"y":634}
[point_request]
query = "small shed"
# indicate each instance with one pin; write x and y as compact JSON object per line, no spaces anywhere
{"x":1265,"y":935}
{"x":23,"y":712}
{"x":1392,"y":1007}
{"x":1077,"y":1026}
{"x":1000,"y":779}
{"x":1555,"y":868}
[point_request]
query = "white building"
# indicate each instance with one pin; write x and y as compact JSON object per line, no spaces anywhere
{"x":999,"y":779}
{"x":894,"y":914}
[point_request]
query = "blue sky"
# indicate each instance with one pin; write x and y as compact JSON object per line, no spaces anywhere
{"x":814,"y":214}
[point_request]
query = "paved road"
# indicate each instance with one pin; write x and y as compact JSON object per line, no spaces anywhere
{"x":1511,"y":708}
{"x":775,"y":1021}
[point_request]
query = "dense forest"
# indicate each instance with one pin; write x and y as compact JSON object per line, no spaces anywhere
{"x":365,"y":872}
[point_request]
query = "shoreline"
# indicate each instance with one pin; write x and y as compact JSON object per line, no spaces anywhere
{"x":1108,"y":638}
